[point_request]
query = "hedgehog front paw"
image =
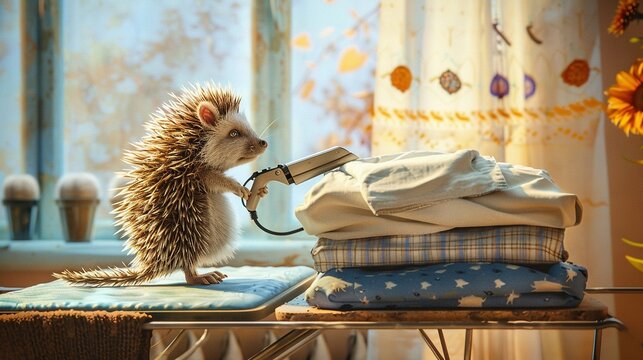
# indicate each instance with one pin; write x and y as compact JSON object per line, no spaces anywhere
{"x":214,"y":277}
{"x":261,"y":192}
{"x":242,"y":192}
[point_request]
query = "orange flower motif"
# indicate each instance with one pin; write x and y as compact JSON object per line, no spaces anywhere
{"x":625,"y":100}
{"x":626,"y":11}
{"x":401,"y":78}
{"x":576,"y":73}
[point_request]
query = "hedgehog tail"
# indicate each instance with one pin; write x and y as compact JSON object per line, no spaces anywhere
{"x":108,"y":277}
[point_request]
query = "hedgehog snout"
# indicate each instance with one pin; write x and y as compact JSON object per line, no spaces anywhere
{"x":259,"y":147}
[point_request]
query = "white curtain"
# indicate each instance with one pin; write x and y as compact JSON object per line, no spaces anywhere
{"x":515,"y":79}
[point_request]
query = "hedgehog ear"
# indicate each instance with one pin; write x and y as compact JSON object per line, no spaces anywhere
{"x":207,"y":113}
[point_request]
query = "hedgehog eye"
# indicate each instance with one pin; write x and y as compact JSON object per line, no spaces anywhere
{"x":234,"y":133}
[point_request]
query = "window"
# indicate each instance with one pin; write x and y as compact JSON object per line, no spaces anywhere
{"x":333,"y":69}
{"x":123,"y":58}
{"x":115,"y":62}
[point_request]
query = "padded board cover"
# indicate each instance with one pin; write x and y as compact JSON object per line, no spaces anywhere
{"x":246,"y":287}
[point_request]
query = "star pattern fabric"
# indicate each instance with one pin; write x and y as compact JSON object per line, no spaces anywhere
{"x":390,"y":285}
{"x":571,"y":274}
{"x":511,"y":297}
{"x":499,"y":283}
{"x":452,"y":285}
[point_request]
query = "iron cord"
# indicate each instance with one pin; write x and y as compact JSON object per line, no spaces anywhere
{"x":255,"y":217}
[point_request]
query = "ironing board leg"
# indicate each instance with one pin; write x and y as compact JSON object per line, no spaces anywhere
{"x":598,"y":337}
{"x":432,"y":346}
{"x":286,"y":344}
{"x":445,"y":351}
{"x":468,"y":339}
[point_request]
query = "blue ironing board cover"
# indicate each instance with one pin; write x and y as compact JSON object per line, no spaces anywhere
{"x":245,"y":288}
{"x":454,"y":285}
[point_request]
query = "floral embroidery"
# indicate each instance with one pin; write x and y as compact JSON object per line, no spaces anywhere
{"x":576,"y":73}
{"x":401,"y":78}
{"x":450,"y":82}
{"x":530,"y":86}
{"x":499,"y":86}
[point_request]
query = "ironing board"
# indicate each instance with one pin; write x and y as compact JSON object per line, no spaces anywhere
{"x":249,"y":293}
{"x":306,"y":322}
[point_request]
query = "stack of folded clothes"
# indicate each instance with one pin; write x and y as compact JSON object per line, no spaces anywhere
{"x":433,"y":230}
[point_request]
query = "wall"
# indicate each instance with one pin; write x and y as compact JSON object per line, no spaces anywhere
{"x":625,"y":180}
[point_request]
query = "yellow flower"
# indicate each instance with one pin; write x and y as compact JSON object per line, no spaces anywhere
{"x":625,"y":100}
{"x":351,"y":60}
{"x":626,"y":11}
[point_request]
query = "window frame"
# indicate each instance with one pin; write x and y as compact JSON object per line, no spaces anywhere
{"x":43,"y":116}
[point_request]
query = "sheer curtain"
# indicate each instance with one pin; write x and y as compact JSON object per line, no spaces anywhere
{"x":518,"y":80}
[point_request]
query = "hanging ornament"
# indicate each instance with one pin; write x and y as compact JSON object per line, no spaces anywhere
{"x":576,"y":73}
{"x":530,"y":86}
{"x":532,"y":36}
{"x":401,"y":78}
{"x":450,"y":82}
{"x":499,"y":32}
{"x":499,"y":86}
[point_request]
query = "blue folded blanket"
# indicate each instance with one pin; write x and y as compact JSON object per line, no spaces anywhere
{"x":454,"y":285}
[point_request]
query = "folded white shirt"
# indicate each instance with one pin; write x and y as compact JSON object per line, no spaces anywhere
{"x":424,"y":192}
{"x":416,"y":179}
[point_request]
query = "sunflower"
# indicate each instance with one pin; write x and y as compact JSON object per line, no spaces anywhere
{"x":625,"y":100}
{"x":626,"y":11}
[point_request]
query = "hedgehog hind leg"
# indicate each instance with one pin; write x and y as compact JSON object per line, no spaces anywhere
{"x":213,"y":277}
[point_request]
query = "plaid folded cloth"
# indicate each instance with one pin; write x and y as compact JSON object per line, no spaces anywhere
{"x":516,"y":244}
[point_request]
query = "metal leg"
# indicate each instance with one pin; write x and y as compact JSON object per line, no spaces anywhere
{"x":432,"y":346}
{"x":445,"y":351}
{"x":598,"y":337}
{"x":468,"y":339}
{"x":195,"y":346}
{"x":286,"y":344}
{"x":172,"y":345}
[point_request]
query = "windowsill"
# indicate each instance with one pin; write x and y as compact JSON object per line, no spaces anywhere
{"x":55,"y":255}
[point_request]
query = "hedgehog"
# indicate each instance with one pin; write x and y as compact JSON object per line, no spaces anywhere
{"x":173,"y":210}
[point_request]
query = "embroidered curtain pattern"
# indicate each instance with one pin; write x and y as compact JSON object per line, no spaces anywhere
{"x":497,"y":74}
